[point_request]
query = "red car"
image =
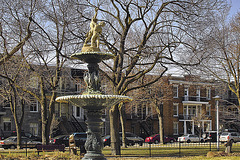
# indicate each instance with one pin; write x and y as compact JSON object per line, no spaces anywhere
{"x":156,"y":139}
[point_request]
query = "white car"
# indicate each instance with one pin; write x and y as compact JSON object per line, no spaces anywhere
{"x":190,"y":138}
{"x":232,"y":136}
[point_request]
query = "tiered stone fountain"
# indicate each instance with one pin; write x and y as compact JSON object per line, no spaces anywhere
{"x":93,"y":100}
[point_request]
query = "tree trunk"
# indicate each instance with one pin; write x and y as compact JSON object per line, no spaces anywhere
{"x":44,"y":123}
{"x":122,"y":120}
{"x":19,"y":135}
{"x":159,"y":110}
{"x":114,"y":130}
{"x":161,"y":133}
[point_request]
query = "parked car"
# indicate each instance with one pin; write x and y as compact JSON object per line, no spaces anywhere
{"x":80,"y":138}
{"x":11,"y":142}
{"x":131,"y":139}
{"x":156,"y":139}
{"x":28,"y":135}
{"x":107,"y":140}
{"x":190,"y":138}
{"x":233,"y":136}
{"x":61,"y":139}
{"x":210,"y":136}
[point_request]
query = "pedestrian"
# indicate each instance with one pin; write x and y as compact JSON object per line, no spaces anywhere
{"x":228,"y":146}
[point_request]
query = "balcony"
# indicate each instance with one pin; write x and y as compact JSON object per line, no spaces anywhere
{"x":191,"y":117}
{"x":195,"y":99}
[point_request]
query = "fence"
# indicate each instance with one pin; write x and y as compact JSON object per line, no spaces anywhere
{"x":175,"y":149}
{"x":172,"y":149}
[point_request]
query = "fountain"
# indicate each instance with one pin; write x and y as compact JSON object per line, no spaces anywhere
{"x":93,"y":100}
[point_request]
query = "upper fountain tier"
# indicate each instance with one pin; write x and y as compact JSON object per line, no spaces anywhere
{"x":92,"y":55}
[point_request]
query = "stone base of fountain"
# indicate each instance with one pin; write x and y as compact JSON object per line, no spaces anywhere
{"x":93,"y":156}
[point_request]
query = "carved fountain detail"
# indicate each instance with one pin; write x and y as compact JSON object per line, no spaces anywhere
{"x":93,"y":100}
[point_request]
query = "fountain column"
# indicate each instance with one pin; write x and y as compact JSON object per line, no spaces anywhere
{"x":93,"y":100}
{"x":94,"y":143}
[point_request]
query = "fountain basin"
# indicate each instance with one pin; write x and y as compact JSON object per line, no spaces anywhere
{"x":94,"y":102}
{"x":92,"y":57}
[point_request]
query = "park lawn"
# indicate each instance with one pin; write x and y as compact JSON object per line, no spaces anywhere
{"x":131,"y":153}
{"x":177,"y":158}
{"x":167,"y":151}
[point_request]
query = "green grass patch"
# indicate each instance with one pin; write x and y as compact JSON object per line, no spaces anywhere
{"x":133,"y":153}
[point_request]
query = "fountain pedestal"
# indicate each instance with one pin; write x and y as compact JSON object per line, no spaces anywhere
{"x":94,"y":143}
{"x":93,"y":100}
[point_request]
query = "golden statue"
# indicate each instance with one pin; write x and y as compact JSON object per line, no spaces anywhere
{"x":93,"y":35}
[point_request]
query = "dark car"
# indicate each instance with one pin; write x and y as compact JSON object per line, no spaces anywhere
{"x":80,"y":138}
{"x":28,"y":135}
{"x":210,"y":136}
{"x":156,"y":139}
{"x":131,"y":139}
{"x":11,"y":142}
{"x":61,"y":139}
{"x":107,"y":140}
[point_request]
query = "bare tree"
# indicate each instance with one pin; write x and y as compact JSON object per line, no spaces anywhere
{"x":49,"y":48}
{"x":146,"y":34}
{"x":224,"y":62}
{"x":15,"y":20}
{"x":15,"y":31}
{"x":156,"y":95}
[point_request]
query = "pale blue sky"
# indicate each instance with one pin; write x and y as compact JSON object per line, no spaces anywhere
{"x":235,"y":7}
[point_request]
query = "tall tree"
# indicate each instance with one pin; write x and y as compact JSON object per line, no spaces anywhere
{"x":51,"y":44}
{"x":154,"y":95}
{"x":145,"y":34}
{"x":50,"y":48}
{"x":10,"y":73}
{"x":224,"y":62}
{"x":15,"y":31}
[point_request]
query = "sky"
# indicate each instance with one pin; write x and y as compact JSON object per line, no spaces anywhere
{"x":235,"y":7}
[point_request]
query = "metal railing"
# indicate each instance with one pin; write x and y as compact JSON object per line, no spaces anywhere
{"x":195,"y":98}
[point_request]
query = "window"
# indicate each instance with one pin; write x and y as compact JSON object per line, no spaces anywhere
{"x":208,"y":93}
{"x":139,"y":111}
{"x":185,"y":110}
{"x":149,"y":111}
{"x":198,"y":93}
{"x":175,"y":128}
{"x":7,"y":124}
{"x":62,"y":83}
{"x":34,"y":128}
{"x":175,"y":109}
{"x":208,"y":110}
{"x":78,"y":87}
{"x":175,"y":91}
{"x":186,"y":94}
{"x":33,"y":106}
{"x":78,"y":112}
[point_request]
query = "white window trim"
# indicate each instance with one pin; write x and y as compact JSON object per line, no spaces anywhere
{"x":36,"y":107}
{"x":177,"y":91}
{"x":174,"y":128}
{"x":198,"y":92}
{"x":81,"y":112}
{"x":209,"y":92}
{"x":34,"y":125}
{"x":175,"y":104}
{"x":208,"y":106}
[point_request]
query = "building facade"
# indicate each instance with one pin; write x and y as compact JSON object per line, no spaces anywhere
{"x":185,"y":104}
{"x":67,"y":119}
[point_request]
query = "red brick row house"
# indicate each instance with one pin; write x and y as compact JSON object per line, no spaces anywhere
{"x":186,"y":103}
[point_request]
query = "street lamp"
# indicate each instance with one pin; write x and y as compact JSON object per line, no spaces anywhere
{"x":217,"y":98}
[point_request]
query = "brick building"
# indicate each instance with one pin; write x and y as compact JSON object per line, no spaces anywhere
{"x":186,"y":105}
{"x":68,"y":118}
